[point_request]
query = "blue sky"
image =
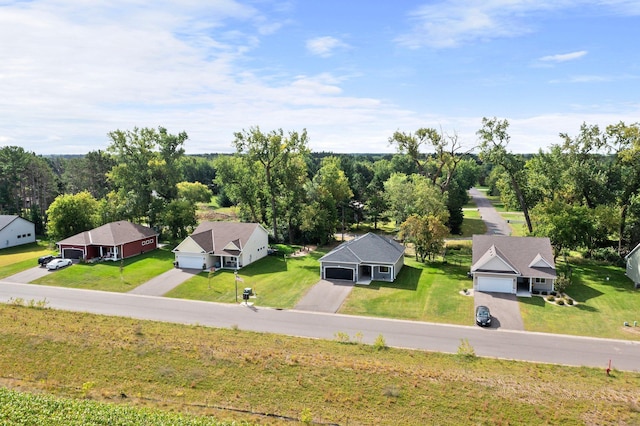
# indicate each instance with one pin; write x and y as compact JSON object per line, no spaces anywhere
{"x":350,"y":72}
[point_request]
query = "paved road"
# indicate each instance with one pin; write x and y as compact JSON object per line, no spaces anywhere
{"x":495,"y":223}
{"x":537,"y":347}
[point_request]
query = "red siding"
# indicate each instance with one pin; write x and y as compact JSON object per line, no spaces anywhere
{"x":138,"y":247}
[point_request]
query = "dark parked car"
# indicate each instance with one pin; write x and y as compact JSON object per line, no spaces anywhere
{"x":483,"y":316}
{"x":43,"y":260}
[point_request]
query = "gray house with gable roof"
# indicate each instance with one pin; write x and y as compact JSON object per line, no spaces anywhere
{"x":516,"y":265}
{"x":364,"y":259}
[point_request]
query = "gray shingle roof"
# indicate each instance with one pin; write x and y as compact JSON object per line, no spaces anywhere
{"x":518,"y":252}
{"x":368,"y":248}
{"x":111,"y":234}
{"x":213,"y":237}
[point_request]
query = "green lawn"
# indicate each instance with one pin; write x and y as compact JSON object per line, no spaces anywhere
{"x":422,"y":292}
{"x":603,"y":306}
{"x":112,"y":276}
{"x":21,"y":258}
{"x":277,"y":281}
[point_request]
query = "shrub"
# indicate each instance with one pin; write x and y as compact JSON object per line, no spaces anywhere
{"x":342,"y":337}
{"x":560,"y":302}
{"x":536,"y":291}
{"x":465,"y":349}
{"x":544,"y":293}
{"x":551,"y":298}
{"x":380,"y":343}
{"x":553,"y":293}
{"x":569,"y":301}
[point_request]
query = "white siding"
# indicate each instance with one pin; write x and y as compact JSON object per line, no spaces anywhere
{"x":19,"y":231}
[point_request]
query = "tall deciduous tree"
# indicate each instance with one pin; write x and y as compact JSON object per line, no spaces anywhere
{"x":273,"y":151}
{"x":148,"y":169}
{"x":494,"y":140}
{"x":72,"y":214}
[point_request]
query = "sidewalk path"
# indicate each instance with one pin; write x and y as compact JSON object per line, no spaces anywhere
{"x":496,"y":225}
{"x":163,"y":283}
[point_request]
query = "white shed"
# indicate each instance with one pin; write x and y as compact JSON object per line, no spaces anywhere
{"x":15,"y":231}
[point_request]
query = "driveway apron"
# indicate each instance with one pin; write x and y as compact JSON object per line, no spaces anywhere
{"x":504,"y":307}
{"x":165,"y":282}
{"x":325,"y":296}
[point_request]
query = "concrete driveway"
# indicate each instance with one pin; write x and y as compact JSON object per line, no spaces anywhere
{"x":504,"y":307}
{"x":325,"y":296}
{"x":25,"y":277}
{"x":163,"y":283}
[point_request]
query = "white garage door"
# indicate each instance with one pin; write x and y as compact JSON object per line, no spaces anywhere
{"x":190,"y":262}
{"x":495,"y":285}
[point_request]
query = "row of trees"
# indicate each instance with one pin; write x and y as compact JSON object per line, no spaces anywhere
{"x":582,"y":193}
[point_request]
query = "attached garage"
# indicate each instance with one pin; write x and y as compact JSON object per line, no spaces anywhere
{"x":495,"y":285}
{"x":190,"y":262}
{"x":71,"y":253}
{"x":339,"y":274}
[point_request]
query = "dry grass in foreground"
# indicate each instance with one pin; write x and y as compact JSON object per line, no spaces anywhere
{"x":237,"y":375}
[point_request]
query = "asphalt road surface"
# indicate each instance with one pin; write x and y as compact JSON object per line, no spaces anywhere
{"x":507,"y":344}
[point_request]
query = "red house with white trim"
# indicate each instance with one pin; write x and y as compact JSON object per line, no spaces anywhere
{"x":113,"y":241}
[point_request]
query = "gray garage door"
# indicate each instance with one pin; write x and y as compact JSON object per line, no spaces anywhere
{"x":338,"y":274}
{"x":72,"y":253}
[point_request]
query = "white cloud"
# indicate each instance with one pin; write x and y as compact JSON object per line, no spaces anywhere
{"x":564,"y":57}
{"x":324,"y":46}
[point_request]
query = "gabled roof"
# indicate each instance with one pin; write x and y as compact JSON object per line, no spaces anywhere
{"x":368,"y":248}
{"x":6,"y":219}
{"x":223,"y":238}
{"x":526,"y":256}
{"x":111,"y":234}
{"x":631,"y":253}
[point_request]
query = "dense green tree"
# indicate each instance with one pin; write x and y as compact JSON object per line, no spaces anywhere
{"x":71,"y":214}
{"x":568,"y":227}
{"x":89,"y":173}
{"x":273,"y":151}
{"x":179,"y":216}
{"x":13,"y":164}
{"x":426,"y":233}
{"x":494,"y":140}
{"x":624,"y":140}
{"x":415,"y":194}
{"x":148,"y":169}
{"x":194,"y":192}
{"x":241,"y":180}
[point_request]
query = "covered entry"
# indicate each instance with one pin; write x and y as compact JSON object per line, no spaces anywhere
{"x":335,"y":273}
{"x":495,"y":285}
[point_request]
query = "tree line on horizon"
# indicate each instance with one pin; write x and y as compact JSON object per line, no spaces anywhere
{"x":583,"y":193}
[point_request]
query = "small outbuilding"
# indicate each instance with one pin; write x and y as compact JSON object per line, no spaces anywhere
{"x":15,"y":231}
{"x":222,"y":245}
{"x":113,"y":241}
{"x":364,"y":259}
{"x":516,"y":265}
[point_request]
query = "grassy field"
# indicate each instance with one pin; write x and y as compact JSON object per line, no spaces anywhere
{"x":20,"y":258}
{"x":235,"y":375}
{"x":112,"y":276}
{"x":278,"y":282}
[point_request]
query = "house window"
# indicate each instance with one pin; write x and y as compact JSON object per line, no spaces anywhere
{"x":384,"y":269}
{"x":541,"y":280}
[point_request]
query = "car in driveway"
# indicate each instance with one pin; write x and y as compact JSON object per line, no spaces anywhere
{"x":58,"y":263}
{"x":43,"y":260}
{"x":483,"y":316}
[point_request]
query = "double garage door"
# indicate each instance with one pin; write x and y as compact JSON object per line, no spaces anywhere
{"x":495,"y":285}
{"x":338,"y":274}
{"x":190,"y":262}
